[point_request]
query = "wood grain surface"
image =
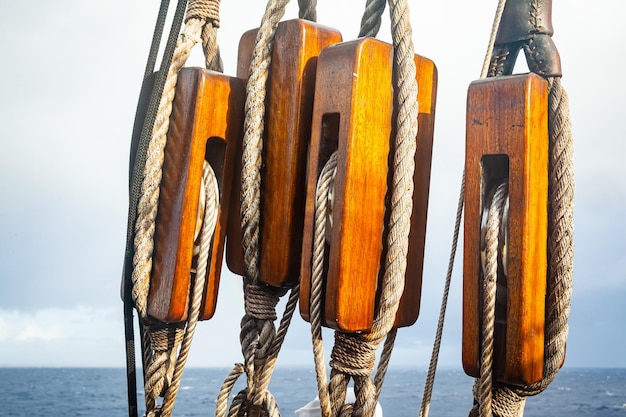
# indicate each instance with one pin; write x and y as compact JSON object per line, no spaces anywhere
{"x":507,"y":136}
{"x":285,"y":143}
{"x":205,"y":124}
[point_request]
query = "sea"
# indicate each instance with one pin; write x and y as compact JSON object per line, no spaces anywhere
{"x":91,"y":392}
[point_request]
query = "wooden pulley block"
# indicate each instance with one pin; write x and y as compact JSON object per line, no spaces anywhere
{"x":507,"y":137}
{"x":352,"y":116}
{"x":205,"y":125}
{"x":289,"y":103}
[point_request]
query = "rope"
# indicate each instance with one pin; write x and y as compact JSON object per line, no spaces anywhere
{"x":432,"y":367}
{"x":560,"y":254}
{"x":434,"y":359}
{"x":260,"y":341}
{"x":490,"y":247}
{"x":353,"y":355}
{"x":162,"y":369}
{"x":135,"y":185}
{"x":308,"y":10}
{"x":166,"y":368}
{"x":371,"y":20}
{"x":325,"y":184}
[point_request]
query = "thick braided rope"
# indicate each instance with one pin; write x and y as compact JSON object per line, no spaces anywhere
{"x":265,"y":364}
{"x":147,"y":208}
{"x":253,"y":135}
{"x":164,"y":340}
{"x":489,"y":247}
{"x":402,"y":172}
{"x":561,"y":247}
{"x":258,"y":336}
{"x":372,"y":18}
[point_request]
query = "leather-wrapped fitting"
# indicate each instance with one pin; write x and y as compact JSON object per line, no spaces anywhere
{"x":523,"y":19}
{"x":527,"y":24}
{"x":542,"y":56}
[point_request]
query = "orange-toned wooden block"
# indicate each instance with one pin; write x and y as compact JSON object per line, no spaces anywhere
{"x":507,"y":136}
{"x":205,"y":124}
{"x":426,"y":76}
{"x":351,"y":115}
{"x":287,"y":132}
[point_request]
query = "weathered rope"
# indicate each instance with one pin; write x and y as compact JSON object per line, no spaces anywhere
{"x":147,"y":207}
{"x":259,"y":340}
{"x":308,"y":10}
{"x":432,"y":368}
{"x":372,"y":18}
{"x":162,"y":369}
{"x":509,"y":400}
{"x":166,"y":366}
{"x":489,"y":247}
{"x":325,"y":184}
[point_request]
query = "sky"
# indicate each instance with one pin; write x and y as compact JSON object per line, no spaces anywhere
{"x":71,"y":73}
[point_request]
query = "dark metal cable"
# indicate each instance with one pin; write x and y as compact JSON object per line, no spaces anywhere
{"x":135,"y":183}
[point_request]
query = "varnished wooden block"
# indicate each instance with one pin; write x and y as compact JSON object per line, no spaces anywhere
{"x":351,"y":115}
{"x":507,"y":136}
{"x":426,"y":76}
{"x":287,"y":132}
{"x":205,"y":125}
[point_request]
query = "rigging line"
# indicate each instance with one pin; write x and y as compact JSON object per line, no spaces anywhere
{"x":141,"y":153}
{"x":207,"y":231}
{"x":156,"y":38}
{"x":489,"y":263}
{"x":131,"y":372}
{"x":432,"y":369}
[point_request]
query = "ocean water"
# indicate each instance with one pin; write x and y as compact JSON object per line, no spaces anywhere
{"x":34,"y":392}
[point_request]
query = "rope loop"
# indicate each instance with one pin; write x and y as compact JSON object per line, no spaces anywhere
{"x":165,"y":337}
{"x":508,"y":400}
{"x":352,"y":356}
{"x":205,"y":10}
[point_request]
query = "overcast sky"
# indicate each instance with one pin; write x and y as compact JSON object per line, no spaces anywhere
{"x":71,"y":72}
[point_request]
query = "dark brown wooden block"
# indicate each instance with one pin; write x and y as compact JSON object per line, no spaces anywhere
{"x":287,"y":133}
{"x":507,"y":136}
{"x":205,"y":124}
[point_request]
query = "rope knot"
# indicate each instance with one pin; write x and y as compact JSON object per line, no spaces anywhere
{"x":352,"y":356}
{"x":206,"y":10}
{"x":164,"y":337}
{"x":261,"y":301}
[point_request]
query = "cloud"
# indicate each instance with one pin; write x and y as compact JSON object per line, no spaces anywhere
{"x":78,"y":336}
